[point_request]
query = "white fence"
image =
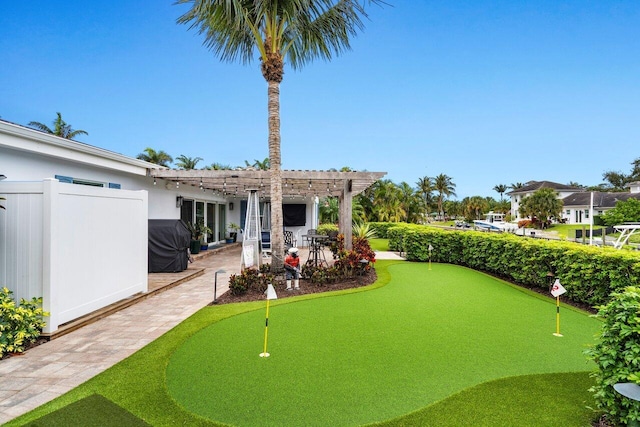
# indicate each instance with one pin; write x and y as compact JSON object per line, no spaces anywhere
{"x":81,"y":248}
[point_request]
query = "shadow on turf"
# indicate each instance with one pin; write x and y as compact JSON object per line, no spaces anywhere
{"x":94,"y":410}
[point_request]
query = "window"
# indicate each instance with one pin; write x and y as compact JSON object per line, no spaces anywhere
{"x":586,"y":213}
{"x":80,"y":181}
{"x":568,"y":211}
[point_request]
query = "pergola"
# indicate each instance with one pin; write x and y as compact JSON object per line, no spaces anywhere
{"x":295,"y":183}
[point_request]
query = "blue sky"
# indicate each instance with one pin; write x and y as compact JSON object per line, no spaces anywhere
{"x":487,"y":92}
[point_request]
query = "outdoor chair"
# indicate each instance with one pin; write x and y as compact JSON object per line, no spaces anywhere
{"x":266,"y":243}
{"x":307,"y":239}
{"x":289,"y":241}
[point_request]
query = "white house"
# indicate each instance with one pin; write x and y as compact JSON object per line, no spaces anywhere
{"x":576,"y":201}
{"x":531,"y":187}
{"x":74,"y":230}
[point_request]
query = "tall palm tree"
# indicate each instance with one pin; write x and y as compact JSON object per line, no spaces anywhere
{"x":158,"y":157}
{"x":296,"y":30}
{"x":445,"y":187}
{"x":60,"y":128}
{"x":500,"y":189}
{"x":187,"y":163}
{"x":426,"y":187}
{"x":516,"y":186}
{"x":260,"y":165}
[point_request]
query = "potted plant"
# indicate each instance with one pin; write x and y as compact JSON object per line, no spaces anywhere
{"x":197,"y":230}
{"x":233,"y":232}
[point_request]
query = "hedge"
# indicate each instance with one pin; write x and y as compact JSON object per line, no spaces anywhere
{"x":589,"y":273}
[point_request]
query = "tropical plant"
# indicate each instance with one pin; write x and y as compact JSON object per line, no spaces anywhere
{"x":157,"y":157}
{"x":218,"y":167}
{"x":257,"y":164}
{"x":426,"y":188}
{"x":543,"y":206}
{"x":20,"y":324}
{"x":625,"y":211}
{"x":60,"y":128}
{"x":617,"y":355}
{"x":445,"y":187}
{"x":198,"y":229}
{"x":328,"y":210}
{"x":500,"y":189}
{"x":298,"y":31}
{"x":363,"y":231}
{"x":187,"y":163}
{"x":473,"y":207}
{"x":516,"y":186}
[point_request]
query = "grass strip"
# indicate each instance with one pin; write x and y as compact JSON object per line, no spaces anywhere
{"x":88,"y":412}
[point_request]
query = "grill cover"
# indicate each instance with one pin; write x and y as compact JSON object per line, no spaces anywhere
{"x":168,"y":245}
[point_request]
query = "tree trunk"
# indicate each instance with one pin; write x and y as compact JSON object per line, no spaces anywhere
{"x":277,"y":228}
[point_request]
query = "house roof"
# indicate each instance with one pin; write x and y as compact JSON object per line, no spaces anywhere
{"x":42,"y":143}
{"x":600,"y":199}
{"x":305,"y":183}
{"x":532,"y":186}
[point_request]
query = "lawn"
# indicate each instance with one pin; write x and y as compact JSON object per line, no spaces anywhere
{"x":449,"y":346}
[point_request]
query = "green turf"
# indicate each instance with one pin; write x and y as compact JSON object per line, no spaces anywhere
{"x":138,"y":383}
{"x":379,"y":244}
{"x":371,"y":356}
{"x":88,"y":412}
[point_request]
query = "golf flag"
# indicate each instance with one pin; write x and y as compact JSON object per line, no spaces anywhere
{"x":430,"y":248}
{"x":557,"y":289}
{"x":270,"y":292}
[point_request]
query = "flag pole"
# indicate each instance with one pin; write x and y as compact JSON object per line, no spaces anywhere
{"x":556,"y":290}
{"x":557,"y":333}
{"x":271,"y":294}
{"x":266,"y":333}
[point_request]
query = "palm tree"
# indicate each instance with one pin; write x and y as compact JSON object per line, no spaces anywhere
{"x":296,"y":30}
{"x":425,"y":185}
{"x":187,"y":163}
{"x":500,"y":189}
{"x":445,"y":187}
{"x":260,"y":165}
{"x":516,"y":186}
{"x":158,"y":157}
{"x":217,"y":167}
{"x":60,"y":128}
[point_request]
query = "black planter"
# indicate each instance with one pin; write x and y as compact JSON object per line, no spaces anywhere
{"x":195,"y":247}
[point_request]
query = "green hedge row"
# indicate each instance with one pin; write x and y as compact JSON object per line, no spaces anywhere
{"x":590,"y":274}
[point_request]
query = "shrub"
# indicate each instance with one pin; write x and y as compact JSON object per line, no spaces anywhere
{"x":588,"y":273}
{"x":326,"y":228}
{"x":21,"y":324}
{"x":249,"y":280}
{"x":617,"y":355}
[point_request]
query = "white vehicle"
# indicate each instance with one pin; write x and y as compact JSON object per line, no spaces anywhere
{"x":495,"y":222}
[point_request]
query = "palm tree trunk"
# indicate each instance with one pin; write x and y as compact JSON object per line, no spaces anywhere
{"x":277,"y":235}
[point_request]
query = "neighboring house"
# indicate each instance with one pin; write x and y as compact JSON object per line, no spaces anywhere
{"x":576,"y":201}
{"x":533,"y":186}
{"x":577,"y":206}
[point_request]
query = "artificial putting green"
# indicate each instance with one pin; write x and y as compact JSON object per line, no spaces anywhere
{"x":371,"y":356}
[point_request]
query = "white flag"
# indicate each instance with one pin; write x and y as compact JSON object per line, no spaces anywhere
{"x":430,"y":248}
{"x":270,"y":292}
{"x":557,"y":289}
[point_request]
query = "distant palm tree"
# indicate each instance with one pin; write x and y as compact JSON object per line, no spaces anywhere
{"x":500,"y":189}
{"x":260,"y":165}
{"x":187,"y":163}
{"x":60,"y":128}
{"x":426,"y":188}
{"x":516,"y":186}
{"x":445,"y":187}
{"x":158,"y":157}
{"x":218,"y":167}
{"x":299,"y":31}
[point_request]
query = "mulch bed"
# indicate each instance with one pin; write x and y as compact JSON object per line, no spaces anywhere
{"x":305,"y":288}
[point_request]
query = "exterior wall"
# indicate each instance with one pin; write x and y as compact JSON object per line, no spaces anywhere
{"x":516,"y":199}
{"x":81,"y":248}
